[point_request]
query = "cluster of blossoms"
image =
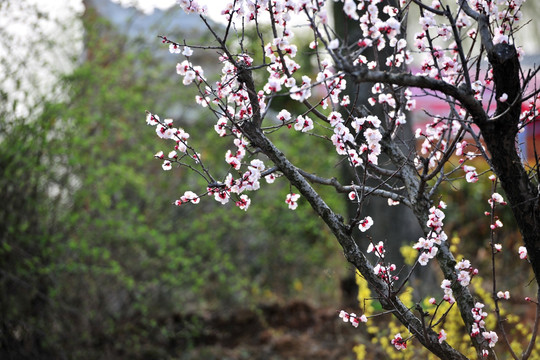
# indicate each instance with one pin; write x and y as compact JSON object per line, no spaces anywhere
{"x":383,"y":270}
{"x":428,"y":246}
{"x":190,"y":73}
{"x":478,"y":327}
{"x":193,"y":7}
{"x":303,"y":124}
{"x":507,"y":17}
{"x":352,"y":318}
{"x":434,"y":144}
{"x":166,"y":130}
{"x":247,"y":181}
{"x":530,"y":113}
{"x":446,"y":285}
{"x":398,"y":342}
{"x":383,"y":95}
{"x":189,"y":196}
{"x":332,"y":85}
{"x":291,"y":200}
{"x":233,"y":101}
{"x":503,"y":295}
{"x":177,"y":49}
{"x":280,"y":52}
{"x":443,"y":61}
{"x":345,"y":143}
{"x":466,"y":272}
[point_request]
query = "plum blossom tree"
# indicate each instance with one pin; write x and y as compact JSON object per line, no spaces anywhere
{"x":466,"y":56}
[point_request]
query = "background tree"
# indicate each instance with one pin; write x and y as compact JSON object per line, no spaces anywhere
{"x":484,"y":116}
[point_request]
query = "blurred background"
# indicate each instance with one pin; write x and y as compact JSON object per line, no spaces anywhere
{"x":96,"y":262}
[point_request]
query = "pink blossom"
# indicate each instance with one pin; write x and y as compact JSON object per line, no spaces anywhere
{"x":152,"y":119}
{"x":398,"y":342}
{"x":187,"y":51}
{"x":174,"y":49}
{"x":291,"y":200}
{"x":423,"y":259}
{"x":303,"y":124}
{"x":244,"y":202}
{"x":392,"y":202}
{"x":365,"y":224}
{"x":222,"y":197}
{"x":522,"y":252}
{"x":471,"y":177}
{"x":496,"y":198}
{"x":442,"y":336}
{"x":491,"y":336}
{"x":166,"y":165}
{"x":448,"y":294}
{"x":498,"y":223}
{"x":270,"y":178}
{"x":499,"y":36}
{"x":334,"y":44}
{"x":284,"y":115}
{"x":189,"y":196}
{"x":350,"y":9}
{"x":464,"y":278}
{"x":344,"y":315}
{"x":475,"y":330}
{"x":220,"y":127}
{"x":335,"y":118}
{"x":377,"y":249}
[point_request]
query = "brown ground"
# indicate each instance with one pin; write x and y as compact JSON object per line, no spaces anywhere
{"x":292,"y":331}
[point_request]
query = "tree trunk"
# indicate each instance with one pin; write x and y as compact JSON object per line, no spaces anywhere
{"x":500,"y":138}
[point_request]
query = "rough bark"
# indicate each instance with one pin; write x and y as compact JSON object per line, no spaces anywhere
{"x":500,"y":138}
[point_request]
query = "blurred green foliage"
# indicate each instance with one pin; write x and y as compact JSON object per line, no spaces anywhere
{"x":95,"y":261}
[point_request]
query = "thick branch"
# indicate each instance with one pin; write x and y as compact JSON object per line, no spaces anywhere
{"x":463,"y":95}
{"x":500,"y":137}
